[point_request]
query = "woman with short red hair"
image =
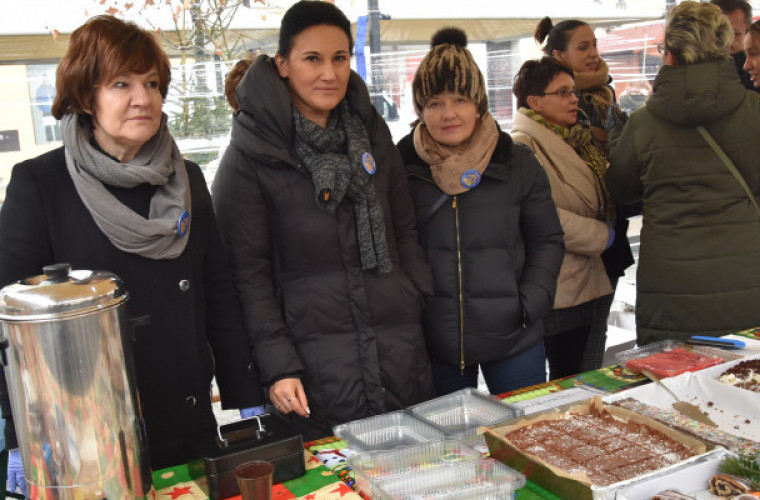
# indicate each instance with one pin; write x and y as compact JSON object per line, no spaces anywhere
{"x":118,"y":196}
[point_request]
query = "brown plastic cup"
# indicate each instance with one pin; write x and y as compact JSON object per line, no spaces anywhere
{"x":255,"y":480}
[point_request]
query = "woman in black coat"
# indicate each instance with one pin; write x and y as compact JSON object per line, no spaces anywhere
{"x":119,"y":197}
{"x":488,"y":225}
{"x":313,"y":204}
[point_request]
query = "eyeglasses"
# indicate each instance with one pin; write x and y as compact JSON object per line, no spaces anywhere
{"x":661,"y":49}
{"x":564,"y":93}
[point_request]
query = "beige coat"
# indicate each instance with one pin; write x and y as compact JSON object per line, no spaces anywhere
{"x":576,"y":194}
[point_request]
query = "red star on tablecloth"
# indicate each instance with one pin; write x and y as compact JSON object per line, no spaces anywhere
{"x":178,"y":492}
{"x":342,"y":489}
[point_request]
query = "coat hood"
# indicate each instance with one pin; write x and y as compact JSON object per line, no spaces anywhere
{"x":264,"y":126}
{"x":692,"y":94}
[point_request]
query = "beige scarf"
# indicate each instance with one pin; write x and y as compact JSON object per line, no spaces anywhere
{"x":449,"y":163}
{"x":579,"y":138}
{"x":591,"y":80}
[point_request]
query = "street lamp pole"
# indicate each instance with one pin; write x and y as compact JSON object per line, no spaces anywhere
{"x":374,"y":46}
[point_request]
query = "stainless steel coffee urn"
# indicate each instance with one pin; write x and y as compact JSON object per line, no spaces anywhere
{"x":71,"y":380}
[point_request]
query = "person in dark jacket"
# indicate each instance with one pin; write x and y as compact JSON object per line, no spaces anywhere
{"x":315,"y":210}
{"x":573,"y":43}
{"x":488,"y":226}
{"x":119,"y":197}
{"x":699,"y":270}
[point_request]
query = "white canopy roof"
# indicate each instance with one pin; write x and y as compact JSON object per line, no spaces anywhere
{"x":44,"y":16}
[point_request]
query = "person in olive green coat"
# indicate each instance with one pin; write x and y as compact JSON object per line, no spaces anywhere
{"x":699,"y":263}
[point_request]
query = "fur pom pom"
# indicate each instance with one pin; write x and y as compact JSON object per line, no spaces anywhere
{"x":453,"y":36}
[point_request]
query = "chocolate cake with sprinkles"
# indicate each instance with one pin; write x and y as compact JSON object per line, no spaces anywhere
{"x":603,"y":446}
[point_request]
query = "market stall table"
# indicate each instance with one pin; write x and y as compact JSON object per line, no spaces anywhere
{"x":327,"y":476}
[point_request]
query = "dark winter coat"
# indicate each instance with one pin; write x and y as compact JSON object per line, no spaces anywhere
{"x":353,"y":337}
{"x":699,"y":264}
{"x":189,"y":319}
{"x":495,"y":251}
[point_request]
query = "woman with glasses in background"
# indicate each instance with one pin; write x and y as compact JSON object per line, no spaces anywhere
{"x":573,"y":43}
{"x":547,"y":122}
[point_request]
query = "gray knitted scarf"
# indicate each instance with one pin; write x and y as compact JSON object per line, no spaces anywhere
{"x":158,"y":163}
{"x":333,"y":157}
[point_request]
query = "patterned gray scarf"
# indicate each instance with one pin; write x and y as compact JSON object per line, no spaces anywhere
{"x":334,"y":158}
{"x":158,"y":163}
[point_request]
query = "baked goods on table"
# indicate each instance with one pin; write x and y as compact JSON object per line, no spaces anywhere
{"x":679,"y":421}
{"x":729,"y":485}
{"x":745,"y":374}
{"x":607,"y":446}
{"x":739,"y":475}
{"x":672,"y":362}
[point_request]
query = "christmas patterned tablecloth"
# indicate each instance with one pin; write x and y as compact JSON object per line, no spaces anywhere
{"x":185,"y":482}
{"x":328,"y":477}
{"x":752,"y":333}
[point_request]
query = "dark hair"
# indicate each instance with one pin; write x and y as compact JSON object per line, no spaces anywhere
{"x":307,"y":13}
{"x":729,"y":6}
{"x":100,"y":50}
{"x":233,"y":78}
{"x":534,"y":76}
{"x":557,"y":37}
{"x":754,"y":27}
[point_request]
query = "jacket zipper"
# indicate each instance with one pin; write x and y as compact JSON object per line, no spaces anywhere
{"x":459,"y":274}
{"x":461,"y":288}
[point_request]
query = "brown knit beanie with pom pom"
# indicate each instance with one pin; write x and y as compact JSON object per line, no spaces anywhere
{"x":449,"y":67}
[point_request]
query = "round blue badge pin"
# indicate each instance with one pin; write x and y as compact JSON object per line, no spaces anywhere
{"x":183,"y":224}
{"x":470,"y":178}
{"x":368,"y":162}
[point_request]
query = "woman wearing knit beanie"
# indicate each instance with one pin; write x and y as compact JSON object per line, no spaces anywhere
{"x":488,"y":226}
{"x":548,"y":122}
{"x":573,"y":43}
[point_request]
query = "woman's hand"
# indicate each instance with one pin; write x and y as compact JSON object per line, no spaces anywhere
{"x":288,"y":395}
